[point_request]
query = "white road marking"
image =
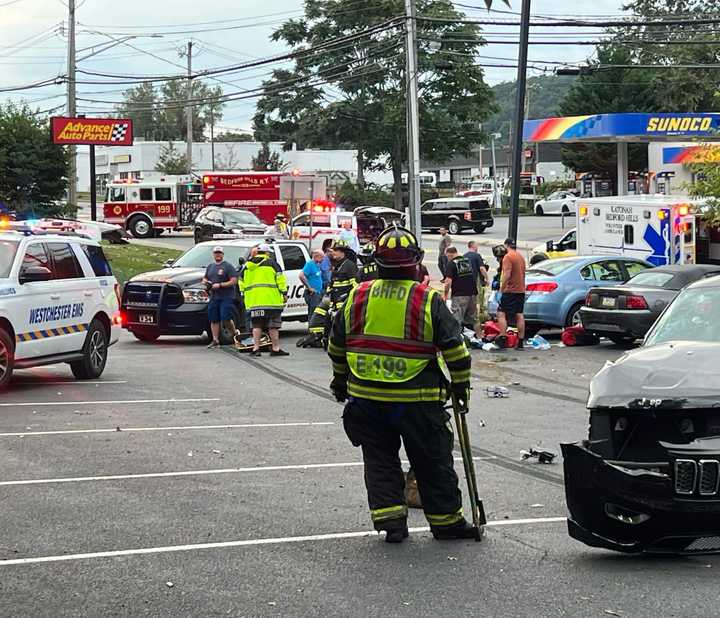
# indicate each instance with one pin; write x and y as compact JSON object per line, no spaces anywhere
{"x":41,"y":382}
{"x":152,"y":475}
{"x":60,"y":432}
{"x":96,"y":403}
{"x":250,"y":543}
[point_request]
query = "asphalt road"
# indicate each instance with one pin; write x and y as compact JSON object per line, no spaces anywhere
{"x":190,"y":482}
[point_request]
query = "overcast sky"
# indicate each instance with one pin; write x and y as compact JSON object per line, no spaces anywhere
{"x":33,"y":45}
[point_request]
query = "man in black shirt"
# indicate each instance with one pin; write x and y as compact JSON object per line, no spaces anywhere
{"x":461,"y":288}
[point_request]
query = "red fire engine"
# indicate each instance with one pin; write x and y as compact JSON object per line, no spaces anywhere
{"x":146,"y":207}
{"x":258,"y":192}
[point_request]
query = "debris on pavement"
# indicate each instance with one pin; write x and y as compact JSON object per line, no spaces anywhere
{"x":611,"y":612}
{"x":543,"y":457}
{"x":497,"y":391}
{"x":169,"y":584}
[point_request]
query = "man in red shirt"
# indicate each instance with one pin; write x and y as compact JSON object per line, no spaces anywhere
{"x":512,"y":299}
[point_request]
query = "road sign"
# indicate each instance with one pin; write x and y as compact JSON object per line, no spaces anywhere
{"x":303,"y":188}
{"x":92,"y":131}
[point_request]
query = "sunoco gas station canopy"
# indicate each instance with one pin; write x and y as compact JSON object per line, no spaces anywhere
{"x":625,"y":128}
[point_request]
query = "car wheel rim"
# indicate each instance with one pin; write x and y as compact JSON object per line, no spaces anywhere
{"x":97,"y":349}
{"x":576,"y":319}
{"x":142,"y":227}
{"x":4,"y":360}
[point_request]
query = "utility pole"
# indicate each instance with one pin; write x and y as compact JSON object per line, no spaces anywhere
{"x":189,"y":111}
{"x":71,"y":108}
{"x":517,"y":154}
{"x":413,"y":123}
{"x":496,"y":184}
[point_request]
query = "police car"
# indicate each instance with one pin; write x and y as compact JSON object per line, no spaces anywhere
{"x":174,"y":300}
{"x":59,"y":302}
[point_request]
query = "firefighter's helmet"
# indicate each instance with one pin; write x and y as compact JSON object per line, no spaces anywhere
{"x":397,"y":247}
{"x":341,"y":244}
{"x":366,"y":253}
{"x":499,"y":251}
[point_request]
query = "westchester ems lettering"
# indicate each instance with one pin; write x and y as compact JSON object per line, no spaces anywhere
{"x":58,"y":312}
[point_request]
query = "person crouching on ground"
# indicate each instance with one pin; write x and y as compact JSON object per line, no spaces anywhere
{"x":220,"y":277}
{"x":265,"y":292}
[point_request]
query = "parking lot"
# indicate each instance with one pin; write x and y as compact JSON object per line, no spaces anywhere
{"x":195,"y":482}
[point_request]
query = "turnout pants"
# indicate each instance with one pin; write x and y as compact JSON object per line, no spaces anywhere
{"x":424,"y":428}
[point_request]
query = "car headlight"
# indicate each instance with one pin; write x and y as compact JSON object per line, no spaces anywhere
{"x":196,"y":296}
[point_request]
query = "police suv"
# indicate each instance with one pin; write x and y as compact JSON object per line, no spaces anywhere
{"x":59,"y":302}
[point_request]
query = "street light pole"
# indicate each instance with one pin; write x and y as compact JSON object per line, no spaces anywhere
{"x":519,"y":121}
{"x":189,"y":111}
{"x":413,"y":124}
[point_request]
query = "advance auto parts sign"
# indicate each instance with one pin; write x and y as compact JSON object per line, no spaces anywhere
{"x":92,"y":131}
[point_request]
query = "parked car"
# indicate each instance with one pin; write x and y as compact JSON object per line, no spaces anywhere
{"x":556,"y":289}
{"x":556,"y":204}
{"x":458,"y":214}
{"x":626,"y":312}
{"x":213,"y":220}
{"x":648,"y":476}
{"x":173,"y":301}
{"x":565,"y":247}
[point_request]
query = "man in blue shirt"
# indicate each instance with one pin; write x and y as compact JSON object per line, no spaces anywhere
{"x":221,"y":280}
{"x":312,"y":277}
{"x":326,"y":264}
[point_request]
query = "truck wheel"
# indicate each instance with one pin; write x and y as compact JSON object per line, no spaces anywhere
{"x":539,"y":211}
{"x":141,"y":227}
{"x":159,"y":232}
{"x":226,"y":336}
{"x":94,"y":351}
{"x":479,"y":229}
{"x":454,"y":227}
{"x":7,"y":358}
{"x":148,"y":336}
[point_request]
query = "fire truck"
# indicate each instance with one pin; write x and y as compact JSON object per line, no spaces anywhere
{"x":147,"y":207}
{"x":258,"y":192}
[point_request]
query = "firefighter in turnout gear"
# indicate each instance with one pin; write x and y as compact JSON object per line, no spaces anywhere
{"x":385,"y":346}
{"x":369,"y":269}
{"x":342,"y":281}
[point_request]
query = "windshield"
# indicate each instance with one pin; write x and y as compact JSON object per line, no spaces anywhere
{"x":693,"y":316}
{"x":7,"y":256}
{"x":650,"y":279}
{"x":552,"y":267}
{"x":241,"y":218}
{"x":201,"y":255}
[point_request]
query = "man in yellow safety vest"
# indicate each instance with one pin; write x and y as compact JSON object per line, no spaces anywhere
{"x":384,"y":349}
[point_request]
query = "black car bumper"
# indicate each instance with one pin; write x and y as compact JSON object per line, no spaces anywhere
{"x":188,"y":319}
{"x":606,"y":322}
{"x":636,"y":507}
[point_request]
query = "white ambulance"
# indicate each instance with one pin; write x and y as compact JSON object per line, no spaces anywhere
{"x":658,"y":228}
{"x":58,"y":302}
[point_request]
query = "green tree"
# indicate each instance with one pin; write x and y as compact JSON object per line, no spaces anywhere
{"x":603,"y":92}
{"x":234,"y":136}
{"x":267,"y":161}
{"x":33,"y":170}
{"x":139,"y":105}
{"x":707,"y":185}
{"x":171,"y":161}
{"x":161,"y":114}
{"x":354,"y":94}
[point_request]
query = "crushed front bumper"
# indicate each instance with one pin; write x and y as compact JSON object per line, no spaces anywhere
{"x":636,"y":507}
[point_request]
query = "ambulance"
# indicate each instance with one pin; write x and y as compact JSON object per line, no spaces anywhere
{"x":661,"y":229}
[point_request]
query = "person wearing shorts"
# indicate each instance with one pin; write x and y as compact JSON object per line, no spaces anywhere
{"x":512,"y":288}
{"x":220,"y":278}
{"x":461,"y":288}
{"x":264,"y":290}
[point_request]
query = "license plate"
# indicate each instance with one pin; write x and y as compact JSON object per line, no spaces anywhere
{"x":608,"y":302}
{"x":146,"y":318}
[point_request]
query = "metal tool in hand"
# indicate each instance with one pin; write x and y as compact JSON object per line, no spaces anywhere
{"x":478,"y":511}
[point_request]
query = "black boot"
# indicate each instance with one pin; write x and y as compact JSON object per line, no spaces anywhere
{"x":397,"y":535}
{"x":463,"y":530}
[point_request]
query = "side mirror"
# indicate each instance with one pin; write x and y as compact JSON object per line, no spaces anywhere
{"x":549,"y":246}
{"x":169,"y":263}
{"x":35,"y":273}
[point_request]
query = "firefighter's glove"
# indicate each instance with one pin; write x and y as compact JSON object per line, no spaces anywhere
{"x":338,"y":386}
{"x":461,"y":392}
